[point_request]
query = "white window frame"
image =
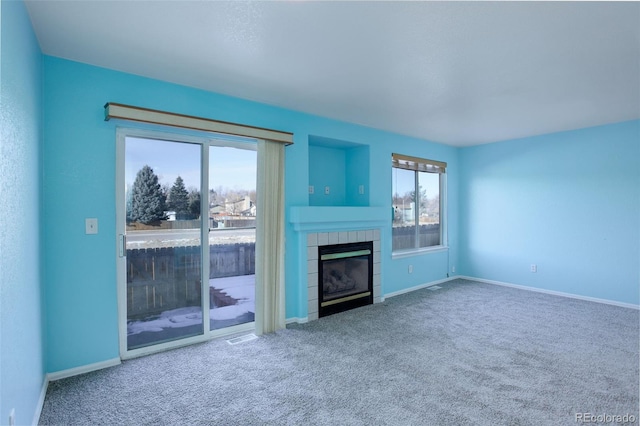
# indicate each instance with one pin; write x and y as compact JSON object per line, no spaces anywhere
{"x":444,"y":243}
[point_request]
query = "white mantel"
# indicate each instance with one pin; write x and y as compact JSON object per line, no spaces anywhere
{"x":321,"y":218}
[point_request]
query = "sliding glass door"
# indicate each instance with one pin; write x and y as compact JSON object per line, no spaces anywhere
{"x":232,"y":240}
{"x":175,"y":192}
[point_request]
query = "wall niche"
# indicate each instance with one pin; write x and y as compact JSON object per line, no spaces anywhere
{"x":338,"y":173}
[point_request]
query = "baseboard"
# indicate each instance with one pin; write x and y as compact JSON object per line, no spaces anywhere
{"x":83,"y":369}
{"x":418,"y":287}
{"x":553,"y":292}
{"x":43,"y":393}
{"x":296,"y":320}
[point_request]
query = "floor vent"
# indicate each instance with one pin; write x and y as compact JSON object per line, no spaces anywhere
{"x":242,"y":339}
{"x":434,"y":287}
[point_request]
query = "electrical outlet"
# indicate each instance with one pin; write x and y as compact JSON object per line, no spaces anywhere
{"x":411,"y":269}
{"x":326,"y":190}
{"x":91,"y":225}
{"x":12,"y":417}
{"x":311,"y":189}
{"x":453,"y":269}
{"x":534,"y":268}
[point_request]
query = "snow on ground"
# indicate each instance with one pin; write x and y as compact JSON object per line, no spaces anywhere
{"x":175,"y":318}
{"x":231,"y":312}
{"x":187,"y":242}
{"x":185,"y":317}
{"x":241,"y":288}
{"x":214,"y":239}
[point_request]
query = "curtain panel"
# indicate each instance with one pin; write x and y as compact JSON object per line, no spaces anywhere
{"x":270,"y":301}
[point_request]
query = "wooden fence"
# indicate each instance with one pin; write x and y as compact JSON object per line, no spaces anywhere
{"x":404,"y":237}
{"x":160,"y":279}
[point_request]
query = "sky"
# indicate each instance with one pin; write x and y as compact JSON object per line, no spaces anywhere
{"x":231,"y":168}
{"x":228,"y":167}
{"x":403,"y":182}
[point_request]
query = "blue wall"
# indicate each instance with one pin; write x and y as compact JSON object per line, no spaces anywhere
{"x":357,"y":173}
{"x":22,"y":343}
{"x":342,"y":166}
{"x":79,"y":182}
{"x":568,"y":202}
{"x":327,"y":168}
{"x":498,"y":197}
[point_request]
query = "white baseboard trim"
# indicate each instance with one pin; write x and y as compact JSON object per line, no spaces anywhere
{"x":82,"y":369}
{"x":296,"y":320}
{"x":43,"y":393}
{"x":553,"y":292}
{"x":418,"y":287}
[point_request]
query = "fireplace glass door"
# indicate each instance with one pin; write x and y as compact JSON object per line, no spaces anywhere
{"x":345,"y":278}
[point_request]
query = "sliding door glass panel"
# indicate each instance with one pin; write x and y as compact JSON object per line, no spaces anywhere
{"x":232,"y":236}
{"x":163,"y":241}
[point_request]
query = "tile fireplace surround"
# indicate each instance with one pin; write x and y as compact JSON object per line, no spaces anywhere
{"x":318,"y":239}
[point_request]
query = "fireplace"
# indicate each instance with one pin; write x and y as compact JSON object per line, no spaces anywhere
{"x":317,"y":242}
{"x":345,"y":277}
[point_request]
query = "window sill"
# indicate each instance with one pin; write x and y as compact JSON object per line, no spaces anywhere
{"x":418,"y":252}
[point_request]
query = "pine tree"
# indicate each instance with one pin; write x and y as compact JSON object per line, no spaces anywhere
{"x":179,"y":198}
{"x":194,"y":203}
{"x":422,"y":197}
{"x":147,"y":200}
{"x":129,"y":203}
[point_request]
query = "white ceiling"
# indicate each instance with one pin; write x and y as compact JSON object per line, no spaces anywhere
{"x":460,"y":73}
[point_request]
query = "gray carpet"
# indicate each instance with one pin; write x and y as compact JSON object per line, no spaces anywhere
{"x":468,"y":354}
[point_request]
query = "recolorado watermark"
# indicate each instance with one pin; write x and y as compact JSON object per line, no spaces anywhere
{"x":605,"y":418}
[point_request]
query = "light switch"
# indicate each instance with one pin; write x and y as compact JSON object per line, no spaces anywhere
{"x":361,"y":190}
{"x":91,"y":225}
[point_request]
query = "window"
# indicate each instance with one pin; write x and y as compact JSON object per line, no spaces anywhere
{"x":417,"y":202}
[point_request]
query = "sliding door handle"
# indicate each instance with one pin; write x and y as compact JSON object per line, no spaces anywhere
{"x":122,"y":245}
